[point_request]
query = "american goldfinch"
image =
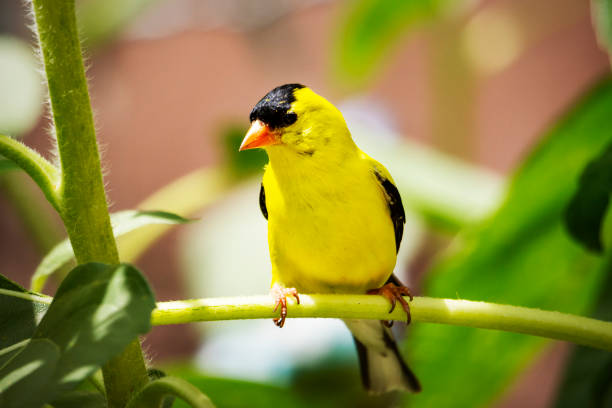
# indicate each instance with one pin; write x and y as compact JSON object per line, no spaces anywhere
{"x":335,"y":220}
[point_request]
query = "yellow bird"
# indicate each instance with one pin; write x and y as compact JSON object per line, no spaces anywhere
{"x":335,"y":220}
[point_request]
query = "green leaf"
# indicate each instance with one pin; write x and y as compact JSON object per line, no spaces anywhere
{"x":123,"y":222}
{"x":328,"y":383}
{"x":18,"y":317}
{"x":20,"y":86}
{"x":7,"y":165}
{"x":130,"y":220}
{"x":156,"y":393}
{"x":585,"y":213}
{"x":370,"y":28}
{"x":229,"y":393}
{"x":97,"y":311}
{"x":520,"y":256}
{"x":588,"y":378}
{"x":241,"y":164}
{"x":102,"y":20}
{"x":24,"y":379}
{"x":80,"y":399}
{"x":602,"y":17}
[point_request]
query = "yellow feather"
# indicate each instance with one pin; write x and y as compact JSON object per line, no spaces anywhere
{"x":329,"y":226}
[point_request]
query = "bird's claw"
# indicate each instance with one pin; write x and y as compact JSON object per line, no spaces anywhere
{"x":280,"y":299}
{"x":394,"y":293}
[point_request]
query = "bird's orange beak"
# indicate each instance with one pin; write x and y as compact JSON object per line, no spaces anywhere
{"x":259,"y":135}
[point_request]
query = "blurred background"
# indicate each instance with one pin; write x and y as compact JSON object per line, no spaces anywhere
{"x":450,"y":95}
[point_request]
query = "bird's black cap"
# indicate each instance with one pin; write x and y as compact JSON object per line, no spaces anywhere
{"x":273,"y":108}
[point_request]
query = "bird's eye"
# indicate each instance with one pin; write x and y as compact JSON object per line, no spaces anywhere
{"x":290,"y":118}
{"x":273,"y":108}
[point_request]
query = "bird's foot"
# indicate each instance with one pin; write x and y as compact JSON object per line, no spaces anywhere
{"x":394,"y":293}
{"x":280,"y":294}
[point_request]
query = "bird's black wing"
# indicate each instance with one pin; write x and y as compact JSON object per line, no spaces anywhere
{"x":396,"y":209}
{"x":262,"y":201}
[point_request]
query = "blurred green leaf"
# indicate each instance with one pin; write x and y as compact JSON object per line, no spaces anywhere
{"x":241,"y":164}
{"x":101,"y":20}
{"x":602,"y":17}
{"x":186,"y":195}
{"x":334,"y":384}
{"x":588,"y":378}
{"x":585,"y":213}
{"x":80,"y":399}
{"x":18,"y":318}
{"x":130,"y":220}
{"x":20,"y":86}
{"x":371,"y":28}
{"x":434,"y":185}
{"x":97,"y":311}
{"x":123,"y":222}
{"x":7,"y":165}
{"x":228,"y":393}
{"x":520,"y":256}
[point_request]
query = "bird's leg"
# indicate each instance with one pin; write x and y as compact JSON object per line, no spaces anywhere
{"x":393,"y":293}
{"x":280,"y":293}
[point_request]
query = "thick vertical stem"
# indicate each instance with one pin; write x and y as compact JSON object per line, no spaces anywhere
{"x":124,"y":375}
{"x":83,"y":205}
{"x":83,"y":208}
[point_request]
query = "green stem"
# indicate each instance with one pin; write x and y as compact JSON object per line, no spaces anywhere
{"x":122,"y":377}
{"x":154,"y":393}
{"x":34,"y":298}
{"x":84,"y":209}
{"x":554,"y":325}
{"x":83,"y":200}
{"x":42,"y":172}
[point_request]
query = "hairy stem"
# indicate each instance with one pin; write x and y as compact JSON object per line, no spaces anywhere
{"x":83,"y":206}
{"x":154,"y":393}
{"x":554,"y":325}
{"x":122,"y":375}
{"x":84,"y":209}
{"x":42,"y":172}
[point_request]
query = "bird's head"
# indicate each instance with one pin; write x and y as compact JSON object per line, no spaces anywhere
{"x":293,"y":120}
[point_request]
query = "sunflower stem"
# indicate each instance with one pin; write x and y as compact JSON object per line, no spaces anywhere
{"x":549,"y":324}
{"x":82,"y":199}
{"x":554,"y":325}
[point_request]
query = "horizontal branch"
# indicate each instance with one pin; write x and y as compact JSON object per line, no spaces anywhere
{"x":554,"y":325}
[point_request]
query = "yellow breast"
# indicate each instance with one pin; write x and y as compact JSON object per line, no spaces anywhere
{"x":329,"y":231}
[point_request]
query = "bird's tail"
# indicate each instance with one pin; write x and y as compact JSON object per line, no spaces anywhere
{"x":382,"y":366}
